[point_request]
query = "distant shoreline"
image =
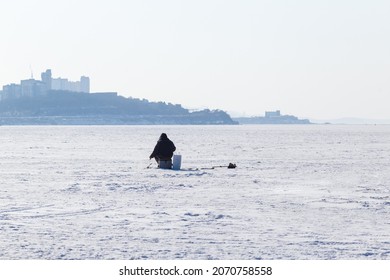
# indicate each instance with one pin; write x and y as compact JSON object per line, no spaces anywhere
{"x":272,"y":117}
{"x":109,"y":120}
{"x":73,"y":108}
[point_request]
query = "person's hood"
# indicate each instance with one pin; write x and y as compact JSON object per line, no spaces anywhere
{"x":163,"y":137}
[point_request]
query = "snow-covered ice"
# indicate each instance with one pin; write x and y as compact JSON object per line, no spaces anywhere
{"x":298,"y":192}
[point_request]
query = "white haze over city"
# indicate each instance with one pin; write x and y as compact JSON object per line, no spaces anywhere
{"x":313,"y":59}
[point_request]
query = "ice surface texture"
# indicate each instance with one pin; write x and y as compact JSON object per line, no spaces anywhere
{"x":298,"y":192}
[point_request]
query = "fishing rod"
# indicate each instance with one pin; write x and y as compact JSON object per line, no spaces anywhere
{"x":149,"y":165}
{"x":230,"y":166}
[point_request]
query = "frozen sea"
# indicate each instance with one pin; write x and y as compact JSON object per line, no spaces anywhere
{"x":298,"y":192}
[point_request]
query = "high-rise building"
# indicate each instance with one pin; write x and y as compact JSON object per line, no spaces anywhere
{"x":46,"y":79}
{"x":65,"y":84}
{"x":84,"y":84}
{"x":12,"y":90}
{"x":32,"y":88}
{"x":272,"y":114}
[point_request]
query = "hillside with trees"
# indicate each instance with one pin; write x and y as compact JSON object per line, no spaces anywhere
{"x":65,"y":107}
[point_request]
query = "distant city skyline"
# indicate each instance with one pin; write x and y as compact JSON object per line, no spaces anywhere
{"x":32,"y":87}
{"x":313,"y":59}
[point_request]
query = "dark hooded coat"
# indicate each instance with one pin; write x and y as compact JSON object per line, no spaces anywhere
{"x":164,"y":148}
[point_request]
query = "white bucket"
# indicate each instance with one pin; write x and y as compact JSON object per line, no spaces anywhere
{"x":176,"y":162}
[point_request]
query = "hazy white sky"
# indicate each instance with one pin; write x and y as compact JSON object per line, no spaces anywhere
{"x":314,"y":59}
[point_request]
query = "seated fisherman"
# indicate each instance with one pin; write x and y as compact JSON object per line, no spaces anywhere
{"x":163,"y":152}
